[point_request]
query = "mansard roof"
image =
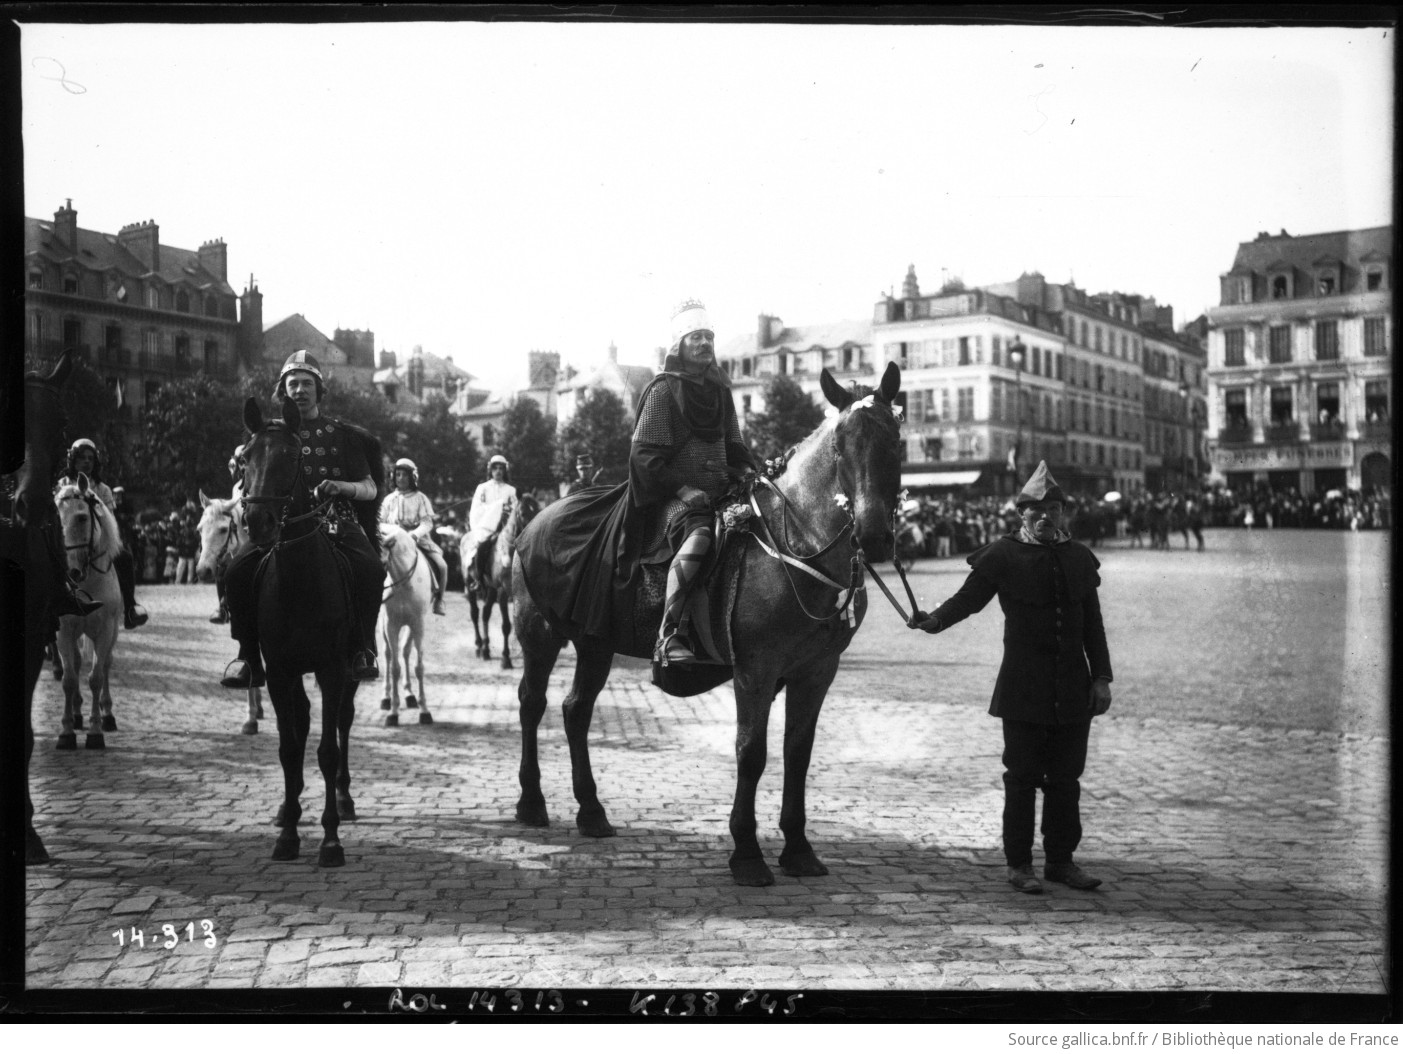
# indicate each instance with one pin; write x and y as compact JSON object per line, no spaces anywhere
{"x":102,"y":252}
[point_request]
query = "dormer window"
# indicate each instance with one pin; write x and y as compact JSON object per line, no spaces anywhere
{"x":1325,"y":285}
{"x":70,"y":283}
{"x":1279,"y":288}
{"x":1374,"y":279}
{"x":182,"y":301}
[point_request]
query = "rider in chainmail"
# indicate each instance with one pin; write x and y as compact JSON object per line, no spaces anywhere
{"x":686,"y":447}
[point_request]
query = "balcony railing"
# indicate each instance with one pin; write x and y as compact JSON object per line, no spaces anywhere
{"x":1378,"y":429}
{"x":1328,"y":430}
{"x":1235,"y":433}
{"x":1285,"y":432}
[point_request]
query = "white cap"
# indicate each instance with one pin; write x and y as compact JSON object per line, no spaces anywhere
{"x":689,"y":317}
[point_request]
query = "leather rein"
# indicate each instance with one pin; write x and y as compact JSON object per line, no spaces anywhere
{"x":317,"y":511}
{"x":90,"y":562}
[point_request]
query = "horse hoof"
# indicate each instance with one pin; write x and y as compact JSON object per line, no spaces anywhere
{"x":34,"y":851}
{"x":802,"y":865}
{"x":594,"y":825}
{"x":332,"y":856}
{"x":346,"y":808}
{"x":109,"y":723}
{"x":532,"y":815}
{"x":67,"y":741}
{"x":385,"y":703}
{"x":287,"y":848}
{"x":250,"y":728}
{"x":95,"y":741}
{"x":426,"y":718}
{"x":411,"y":703}
{"x":754,"y":872}
{"x":392,"y":720}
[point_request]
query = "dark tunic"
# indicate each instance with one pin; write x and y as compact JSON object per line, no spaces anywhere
{"x":582,"y":556}
{"x":1054,"y":639}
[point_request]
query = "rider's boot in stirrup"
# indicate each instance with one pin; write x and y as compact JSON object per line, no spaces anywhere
{"x":438,"y":602}
{"x":363,"y":667}
{"x":246,"y":671}
{"x":672,"y":648}
{"x":135,"y":616}
{"x":75,"y":602}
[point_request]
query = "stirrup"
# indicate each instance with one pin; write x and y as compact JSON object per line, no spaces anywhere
{"x":672,"y":648}
{"x":363,"y":667}
{"x":241,"y":673}
{"x":135,"y":616}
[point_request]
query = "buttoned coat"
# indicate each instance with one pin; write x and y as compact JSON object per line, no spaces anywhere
{"x":1054,"y":637}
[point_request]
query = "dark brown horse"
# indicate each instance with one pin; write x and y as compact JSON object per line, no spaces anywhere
{"x":832,"y":502}
{"x":494,"y":565}
{"x":304,"y":617}
{"x":26,"y":569}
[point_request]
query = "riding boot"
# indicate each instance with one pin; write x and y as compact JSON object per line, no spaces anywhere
{"x":438,"y":602}
{"x":247,"y":670}
{"x":135,"y":614}
{"x":673,"y":646}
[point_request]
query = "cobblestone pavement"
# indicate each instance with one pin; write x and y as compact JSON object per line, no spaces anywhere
{"x":1237,"y":857}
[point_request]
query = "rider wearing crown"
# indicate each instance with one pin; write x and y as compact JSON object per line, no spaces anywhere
{"x":492,"y":501}
{"x":341,"y":463}
{"x":411,"y":509}
{"x":686,"y":448}
{"x":83,"y":457}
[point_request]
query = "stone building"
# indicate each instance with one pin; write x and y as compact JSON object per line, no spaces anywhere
{"x":140,"y":313}
{"x":1300,"y":370}
{"x":797,"y":352}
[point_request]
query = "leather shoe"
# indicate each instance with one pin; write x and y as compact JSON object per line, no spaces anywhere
{"x":135,"y":616}
{"x":363,"y":667}
{"x":243,"y":674}
{"x":438,"y":605}
{"x":1070,"y":875}
{"x":1023,"y":879}
{"x":76,"y":603}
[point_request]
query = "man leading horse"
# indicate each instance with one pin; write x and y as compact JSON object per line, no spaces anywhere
{"x":337,"y":465}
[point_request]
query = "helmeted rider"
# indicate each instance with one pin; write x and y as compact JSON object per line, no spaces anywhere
{"x":492,"y":501}
{"x":686,"y":448}
{"x":411,"y":509}
{"x":337,"y":462}
{"x":585,"y":473}
{"x":83,"y":457}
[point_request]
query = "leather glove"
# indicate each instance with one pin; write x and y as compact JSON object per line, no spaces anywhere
{"x":922,"y":620}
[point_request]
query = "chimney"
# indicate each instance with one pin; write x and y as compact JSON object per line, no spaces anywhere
{"x":542,"y":369}
{"x":214,"y":258}
{"x":66,"y":226}
{"x":251,"y":323}
{"x":387,"y":360}
{"x":142,"y":240}
{"x":613,"y":352}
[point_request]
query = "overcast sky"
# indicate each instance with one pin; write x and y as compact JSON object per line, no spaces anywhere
{"x":486,"y":189}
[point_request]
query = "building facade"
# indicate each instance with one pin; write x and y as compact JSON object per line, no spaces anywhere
{"x":140,"y":313}
{"x":1300,"y":370}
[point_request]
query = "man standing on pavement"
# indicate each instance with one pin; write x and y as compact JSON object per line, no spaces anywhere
{"x":1055,"y":676}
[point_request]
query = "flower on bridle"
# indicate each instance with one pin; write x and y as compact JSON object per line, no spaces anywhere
{"x":842,"y":501}
{"x":736,"y":517}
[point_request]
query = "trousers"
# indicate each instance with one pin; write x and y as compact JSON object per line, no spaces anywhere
{"x":367,"y":581}
{"x":1049,"y":758}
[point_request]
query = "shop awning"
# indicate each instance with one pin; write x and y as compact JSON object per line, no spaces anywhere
{"x":940,"y":479}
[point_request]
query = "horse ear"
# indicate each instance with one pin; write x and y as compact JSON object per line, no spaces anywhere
{"x":253,"y":416}
{"x":291,"y":415}
{"x":62,"y":370}
{"x":204,"y":501}
{"x":833,"y":391}
{"x":82,"y":483}
{"x":891,"y":383}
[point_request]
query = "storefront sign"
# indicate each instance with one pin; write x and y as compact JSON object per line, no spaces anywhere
{"x":1310,"y":455}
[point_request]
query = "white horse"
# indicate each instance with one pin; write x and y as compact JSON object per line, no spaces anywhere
{"x":408,"y":587}
{"x":221,"y":534}
{"x":91,"y":538}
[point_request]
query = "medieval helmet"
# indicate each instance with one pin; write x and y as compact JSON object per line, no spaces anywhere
{"x":689,"y":316}
{"x":300,"y":360}
{"x":405,"y":463}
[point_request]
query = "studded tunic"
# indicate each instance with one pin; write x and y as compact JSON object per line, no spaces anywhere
{"x":1054,"y":637}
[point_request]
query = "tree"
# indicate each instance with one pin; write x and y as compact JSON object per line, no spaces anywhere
{"x":528,"y":442}
{"x":789,"y":416}
{"x":188,"y":430}
{"x":602,"y":428}
{"x":447,"y":456}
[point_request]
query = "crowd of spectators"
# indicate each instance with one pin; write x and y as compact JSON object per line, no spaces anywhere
{"x":164,"y":547}
{"x":943,"y":526}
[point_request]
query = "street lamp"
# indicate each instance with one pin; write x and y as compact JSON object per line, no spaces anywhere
{"x":1191,"y":412}
{"x":1017,"y":355}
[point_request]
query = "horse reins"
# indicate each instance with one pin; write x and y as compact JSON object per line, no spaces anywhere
{"x":387,"y":590}
{"x":91,"y":562}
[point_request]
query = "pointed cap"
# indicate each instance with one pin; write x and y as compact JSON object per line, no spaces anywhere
{"x":1041,"y":487}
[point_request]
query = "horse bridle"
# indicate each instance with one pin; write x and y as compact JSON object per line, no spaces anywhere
{"x":412,"y":567}
{"x":89,"y":562}
{"x":317,"y":511}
